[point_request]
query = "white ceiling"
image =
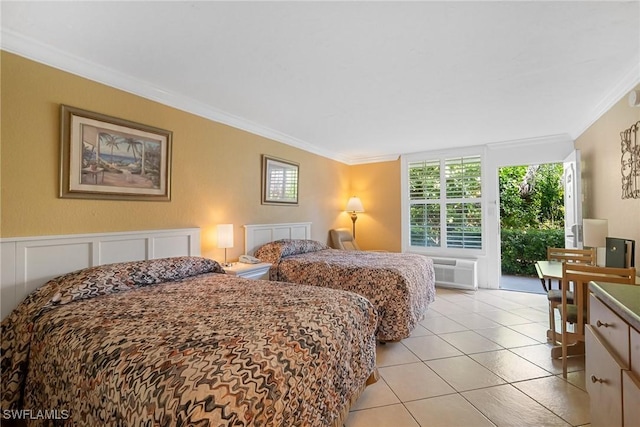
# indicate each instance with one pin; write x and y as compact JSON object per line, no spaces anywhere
{"x":353,"y":81}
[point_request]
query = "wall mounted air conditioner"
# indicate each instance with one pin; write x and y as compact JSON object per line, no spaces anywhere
{"x":456,"y":273}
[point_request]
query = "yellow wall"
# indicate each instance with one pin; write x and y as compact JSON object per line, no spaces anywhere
{"x":601,"y":177}
{"x":215,"y":177}
{"x":378,"y":186}
{"x":216,"y":171}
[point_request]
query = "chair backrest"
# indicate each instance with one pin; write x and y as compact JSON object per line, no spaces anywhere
{"x":580,"y":256}
{"x":587,"y":273}
{"x":581,"y":274}
{"x":341,"y":238}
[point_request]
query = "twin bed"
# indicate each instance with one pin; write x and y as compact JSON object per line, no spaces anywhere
{"x":400,"y":286}
{"x":175,"y":341}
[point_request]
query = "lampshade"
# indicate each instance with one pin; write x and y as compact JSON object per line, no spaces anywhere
{"x":354,"y":205}
{"x":225,"y":235}
{"x":594,"y":232}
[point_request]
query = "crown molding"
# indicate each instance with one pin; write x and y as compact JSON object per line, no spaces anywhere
{"x":39,"y":52}
{"x":558,"y":138}
{"x":624,"y":86}
{"x":373,"y":159}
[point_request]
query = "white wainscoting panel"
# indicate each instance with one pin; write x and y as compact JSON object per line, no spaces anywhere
{"x":29,"y":262}
{"x":256,"y":235}
{"x":40,"y":261}
{"x":122,"y":250}
{"x":169,"y":246}
{"x":7,"y":276}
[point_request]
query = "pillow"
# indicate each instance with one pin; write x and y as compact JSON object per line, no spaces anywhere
{"x":274,"y":251}
{"x":105,"y":279}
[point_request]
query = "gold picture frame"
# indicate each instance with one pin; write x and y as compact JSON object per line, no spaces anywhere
{"x":279,"y":181}
{"x":104,"y":157}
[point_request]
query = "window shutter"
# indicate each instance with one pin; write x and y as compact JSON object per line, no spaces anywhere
{"x":424,"y":180}
{"x":463,"y":177}
{"x":464,"y":226}
{"x":457,"y":202}
{"x":425,"y":225}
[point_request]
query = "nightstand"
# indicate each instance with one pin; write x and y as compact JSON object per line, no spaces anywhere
{"x":258,"y":271}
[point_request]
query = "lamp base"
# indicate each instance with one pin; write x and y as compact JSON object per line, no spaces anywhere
{"x":225,"y":263}
{"x":354,"y":217}
{"x":601,"y":257}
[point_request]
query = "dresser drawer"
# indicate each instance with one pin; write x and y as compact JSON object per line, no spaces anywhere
{"x":604,"y":382}
{"x":611,"y":328}
{"x":635,"y":352}
{"x":630,"y":398}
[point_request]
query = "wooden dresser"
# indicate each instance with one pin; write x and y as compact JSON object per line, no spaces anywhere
{"x":613,"y":354}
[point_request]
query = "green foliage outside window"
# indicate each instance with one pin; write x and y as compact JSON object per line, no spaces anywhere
{"x":521,"y":248}
{"x":531,"y":215}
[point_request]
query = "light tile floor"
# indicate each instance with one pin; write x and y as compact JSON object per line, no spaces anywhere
{"x":477,"y":359}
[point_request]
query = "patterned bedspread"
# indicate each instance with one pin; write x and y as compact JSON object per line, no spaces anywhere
{"x":401,"y":286}
{"x":171,"y":342}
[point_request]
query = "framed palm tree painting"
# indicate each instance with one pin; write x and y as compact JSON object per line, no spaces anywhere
{"x":104,"y":157}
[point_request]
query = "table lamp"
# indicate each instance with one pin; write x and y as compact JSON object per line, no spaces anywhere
{"x":594,"y":235}
{"x":225,"y":240}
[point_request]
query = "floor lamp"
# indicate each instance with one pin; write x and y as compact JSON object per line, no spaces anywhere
{"x":354,"y":205}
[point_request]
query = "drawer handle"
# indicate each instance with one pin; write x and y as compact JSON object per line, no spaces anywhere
{"x":599,"y":324}
{"x":594,"y":380}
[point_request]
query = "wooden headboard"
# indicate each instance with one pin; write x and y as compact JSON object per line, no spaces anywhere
{"x":26,"y":263}
{"x":256,"y":235}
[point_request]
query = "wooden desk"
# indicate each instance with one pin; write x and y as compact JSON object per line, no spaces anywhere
{"x":547,"y":271}
{"x":552,"y":270}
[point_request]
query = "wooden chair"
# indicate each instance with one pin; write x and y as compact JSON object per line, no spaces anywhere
{"x":554,"y":296}
{"x":577,"y":313}
{"x":580,"y":256}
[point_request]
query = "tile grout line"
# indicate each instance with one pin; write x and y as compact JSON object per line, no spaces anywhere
{"x":449,"y":317}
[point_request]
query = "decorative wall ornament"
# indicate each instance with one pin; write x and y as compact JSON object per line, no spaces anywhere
{"x":630,"y":162}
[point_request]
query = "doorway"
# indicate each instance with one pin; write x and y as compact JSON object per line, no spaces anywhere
{"x":532,"y":218}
